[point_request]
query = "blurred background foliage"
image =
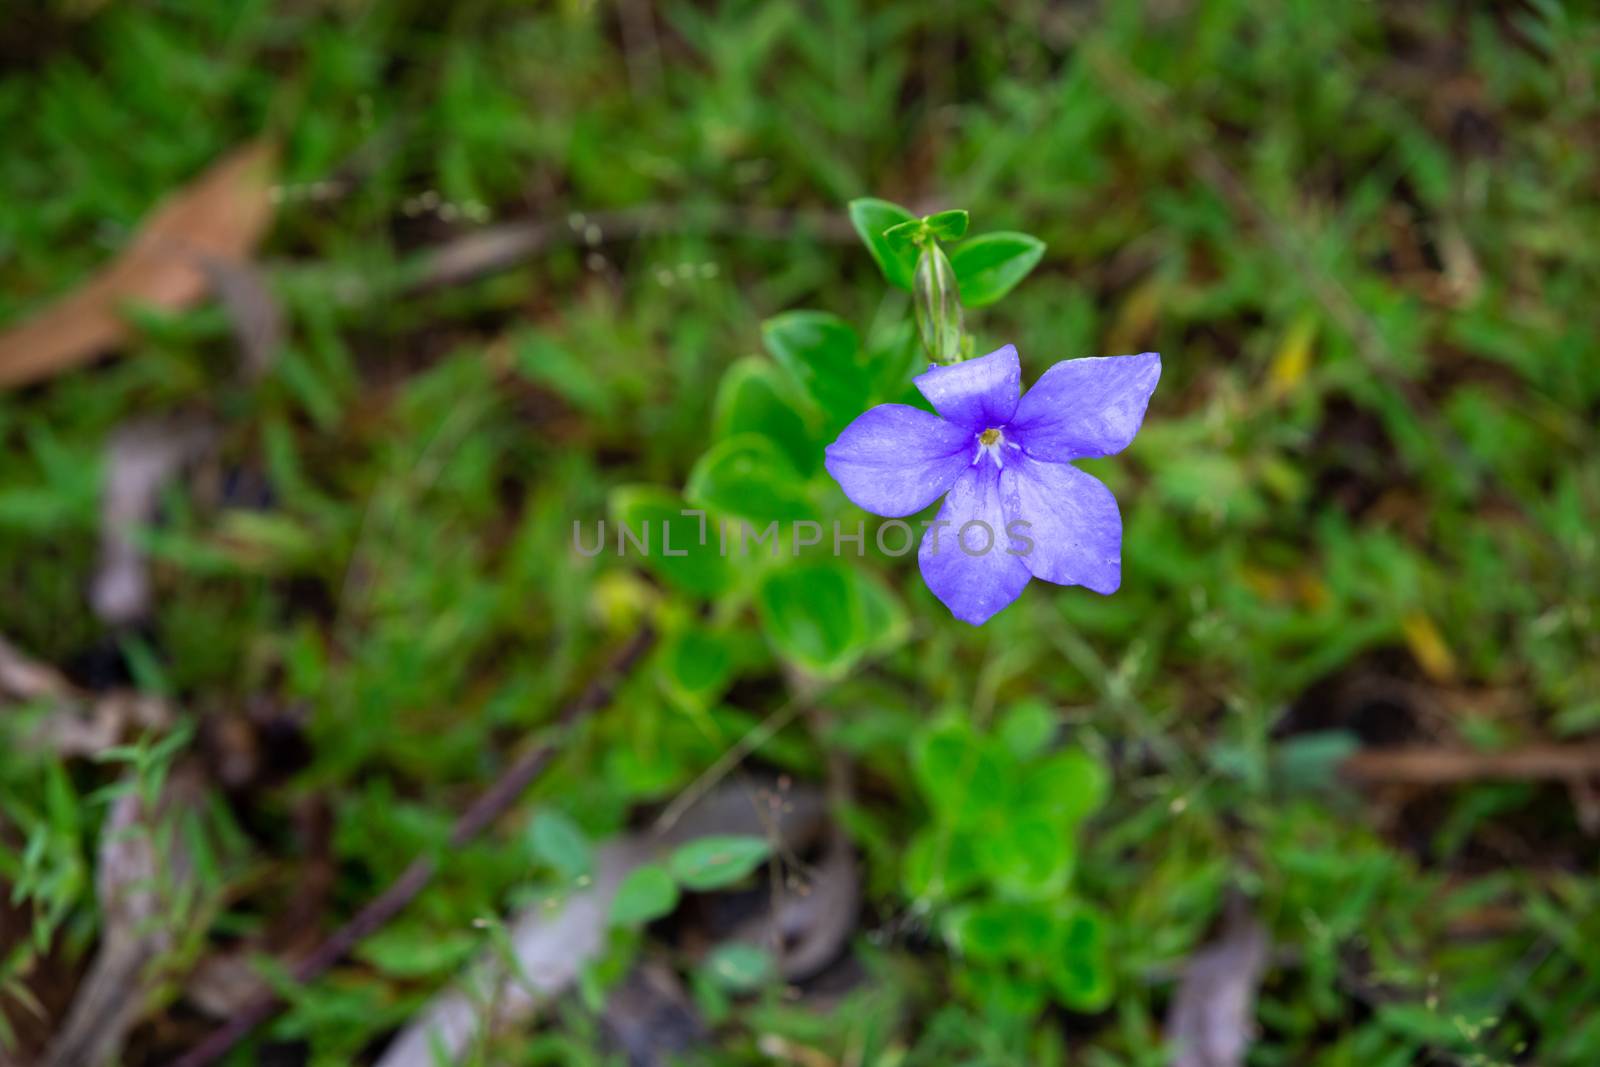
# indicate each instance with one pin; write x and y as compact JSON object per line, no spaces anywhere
{"x":1362,"y":513}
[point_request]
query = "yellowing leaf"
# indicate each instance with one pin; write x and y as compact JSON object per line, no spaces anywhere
{"x":1293,"y":360}
{"x":1428,"y":646}
{"x":1263,"y":583}
{"x":1313,"y":591}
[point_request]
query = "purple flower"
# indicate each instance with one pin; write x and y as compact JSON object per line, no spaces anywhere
{"x":1016,"y":507}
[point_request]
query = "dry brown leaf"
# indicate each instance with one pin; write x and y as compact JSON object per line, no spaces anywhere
{"x":219,"y":216}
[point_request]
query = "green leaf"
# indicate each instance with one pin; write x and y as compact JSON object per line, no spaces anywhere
{"x":871,"y":218}
{"x":267,"y":542}
{"x":994,"y":931}
{"x":1065,"y":788}
{"x":883,"y":619}
{"x":412,"y":952}
{"x":819,"y":351}
{"x":963,"y":775}
{"x":1423,"y":1023}
{"x":948,"y":225}
{"x":941,"y":863}
{"x":809,"y":615}
{"x":753,"y":397}
{"x":1311,"y":761}
{"x":892,"y":360}
{"x":645,"y":894}
{"x":700,"y":570}
{"x":999,"y":992}
{"x":1081,"y":973}
{"x":696,"y":666}
{"x":747,"y":475}
{"x":717,"y":861}
{"x":739,"y":967}
{"x":1026,"y":727}
{"x":645,"y":770}
{"x":990,"y":265}
{"x":824,"y":616}
{"x":907,"y":235}
{"x":1216,"y":485}
{"x":1027,"y":856}
{"x":579,"y":381}
{"x":557,"y":842}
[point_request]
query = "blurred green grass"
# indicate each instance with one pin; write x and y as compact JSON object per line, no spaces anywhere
{"x":1362,"y":236}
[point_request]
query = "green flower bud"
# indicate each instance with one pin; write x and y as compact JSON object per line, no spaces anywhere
{"x":938,"y":305}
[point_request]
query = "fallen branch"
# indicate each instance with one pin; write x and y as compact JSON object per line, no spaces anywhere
{"x":489,"y":806}
{"x":1443,"y":766}
{"x":547,"y":952}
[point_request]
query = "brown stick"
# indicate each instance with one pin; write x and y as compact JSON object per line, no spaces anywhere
{"x":491,"y":804}
{"x":503,"y":245}
{"x":1443,"y":766}
{"x":506,"y":244}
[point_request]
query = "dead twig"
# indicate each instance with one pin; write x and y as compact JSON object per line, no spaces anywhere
{"x":503,"y":245}
{"x":1443,"y":766}
{"x":257,"y":320}
{"x":78,"y":723}
{"x":491,"y":804}
{"x":24,"y":679}
{"x":506,"y":244}
{"x":141,"y":457}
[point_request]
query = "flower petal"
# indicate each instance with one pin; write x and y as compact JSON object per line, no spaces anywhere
{"x":895,"y":460}
{"x":1085,"y":407}
{"x":969,"y":562}
{"x":1072,"y":520}
{"x":979,"y":393}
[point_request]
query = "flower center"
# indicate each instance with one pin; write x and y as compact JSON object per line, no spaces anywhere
{"x":989,"y":442}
